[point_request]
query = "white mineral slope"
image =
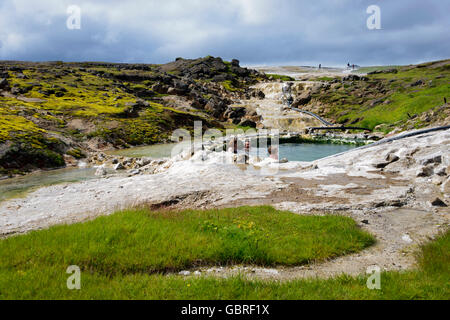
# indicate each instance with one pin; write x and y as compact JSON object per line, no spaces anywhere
{"x":394,"y":203}
{"x":391,"y":190}
{"x":188,"y":183}
{"x":409,"y":173}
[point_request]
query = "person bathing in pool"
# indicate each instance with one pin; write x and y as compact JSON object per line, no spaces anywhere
{"x":273,"y":152}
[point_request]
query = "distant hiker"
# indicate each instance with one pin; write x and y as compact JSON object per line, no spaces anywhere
{"x":320,"y":66}
{"x":353,"y":66}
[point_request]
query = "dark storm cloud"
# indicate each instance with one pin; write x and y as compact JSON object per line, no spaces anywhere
{"x":331,"y":32}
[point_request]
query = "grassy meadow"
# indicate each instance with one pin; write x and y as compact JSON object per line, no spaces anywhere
{"x":136,"y":254}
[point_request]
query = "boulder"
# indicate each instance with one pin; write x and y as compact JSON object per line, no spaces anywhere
{"x":441,"y":171}
{"x":134,"y":172}
{"x":435,"y":159}
{"x":417,"y":83}
{"x":247,"y":123}
{"x":351,"y":77}
{"x":101,"y":171}
{"x":258,"y":94}
{"x":425,"y":172}
{"x":159,"y":88}
{"x":302,"y":100}
{"x":216,"y":107}
{"x":119,"y":166}
{"x":438,"y":203}
{"x":391,"y":203}
{"x":4,"y":84}
{"x":220,"y":78}
{"x":392,"y":157}
{"x":235,"y":112}
{"x":143,"y":162}
{"x":181,"y":85}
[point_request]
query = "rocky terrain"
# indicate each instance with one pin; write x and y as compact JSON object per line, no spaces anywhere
{"x":54,"y":113}
{"x":385,"y":99}
{"x":398,"y":190}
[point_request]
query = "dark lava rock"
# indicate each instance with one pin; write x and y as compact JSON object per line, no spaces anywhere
{"x":439,"y":203}
{"x":434,"y":160}
{"x":418,"y":83}
{"x":425,"y":172}
{"x":392,"y":157}
{"x":302,"y":100}
{"x":391,"y":203}
{"x":216,"y":107}
{"x":248,"y":123}
{"x":160,"y":88}
{"x":132,"y":109}
{"x":4,"y":84}
{"x":258,"y":94}
{"x":235,"y":113}
{"x":221,"y":78}
{"x":351,"y":77}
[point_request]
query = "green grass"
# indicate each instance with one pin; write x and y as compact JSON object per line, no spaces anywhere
{"x":140,"y":245}
{"x":280,"y":77}
{"x":374,"y":68}
{"x":392,"y":100}
{"x":111,"y":252}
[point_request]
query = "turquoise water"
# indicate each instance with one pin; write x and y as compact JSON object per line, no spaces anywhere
{"x":156,"y":151}
{"x":291,"y":151}
{"x":306,"y":151}
{"x":17,"y":187}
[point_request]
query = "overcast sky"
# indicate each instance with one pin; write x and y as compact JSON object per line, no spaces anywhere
{"x":257,"y":32}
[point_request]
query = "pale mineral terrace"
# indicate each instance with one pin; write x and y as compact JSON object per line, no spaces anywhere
{"x":399,"y":191}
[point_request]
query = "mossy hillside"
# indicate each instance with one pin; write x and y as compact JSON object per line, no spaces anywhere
{"x":43,"y":100}
{"x":279,"y":77}
{"x":393,"y":98}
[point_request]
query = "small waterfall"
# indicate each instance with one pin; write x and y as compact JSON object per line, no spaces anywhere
{"x":274,"y":113}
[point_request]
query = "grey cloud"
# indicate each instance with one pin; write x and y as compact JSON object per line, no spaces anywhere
{"x":254,"y":31}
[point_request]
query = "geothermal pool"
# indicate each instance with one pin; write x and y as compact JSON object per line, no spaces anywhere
{"x":290,"y":151}
{"x":20,"y":186}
